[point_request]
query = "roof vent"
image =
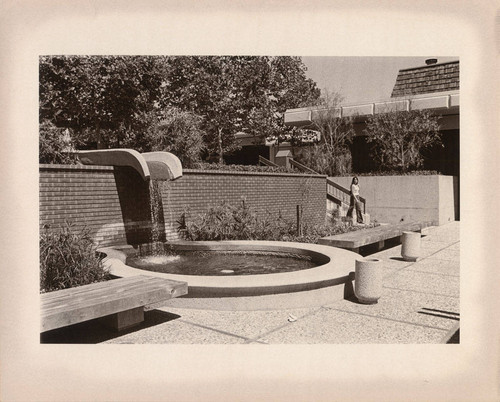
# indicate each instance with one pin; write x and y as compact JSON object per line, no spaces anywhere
{"x":431,"y":61}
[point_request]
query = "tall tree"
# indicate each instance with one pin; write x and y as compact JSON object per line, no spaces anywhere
{"x":289,"y":84}
{"x":116,"y":99}
{"x":331,"y":156}
{"x":239,"y":94}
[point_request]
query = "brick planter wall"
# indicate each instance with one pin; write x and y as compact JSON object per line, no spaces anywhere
{"x":114,"y":202}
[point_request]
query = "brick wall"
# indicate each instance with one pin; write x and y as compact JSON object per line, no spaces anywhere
{"x":114,"y":202}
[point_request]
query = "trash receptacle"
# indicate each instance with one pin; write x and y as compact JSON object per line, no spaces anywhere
{"x":368,"y":280}
{"x":410,"y":246}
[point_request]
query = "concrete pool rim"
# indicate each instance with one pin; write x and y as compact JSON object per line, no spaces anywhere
{"x":337,"y":267}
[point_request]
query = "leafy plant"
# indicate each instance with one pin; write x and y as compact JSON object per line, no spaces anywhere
{"x":68,"y":258}
{"x":242,"y":168}
{"x":228,"y":222}
{"x":104,"y":97}
{"x":178,"y":132}
{"x":55,"y":144}
{"x":400,"y":137}
{"x":110,"y":101}
{"x":331,"y":156}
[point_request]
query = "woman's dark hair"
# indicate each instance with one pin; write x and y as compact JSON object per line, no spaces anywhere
{"x":354,"y":178}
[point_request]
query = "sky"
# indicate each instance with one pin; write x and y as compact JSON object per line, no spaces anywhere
{"x":361,"y":79}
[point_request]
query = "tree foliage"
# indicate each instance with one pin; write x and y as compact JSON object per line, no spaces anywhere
{"x":55,"y":144}
{"x":331,"y":156}
{"x":400,"y":137}
{"x":238,"y":94}
{"x":113,"y":101}
{"x":177,"y":132}
{"x":101,"y":98}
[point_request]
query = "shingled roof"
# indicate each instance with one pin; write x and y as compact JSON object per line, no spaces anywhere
{"x":432,"y":78}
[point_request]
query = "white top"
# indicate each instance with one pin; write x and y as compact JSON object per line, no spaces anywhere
{"x":355,"y":190}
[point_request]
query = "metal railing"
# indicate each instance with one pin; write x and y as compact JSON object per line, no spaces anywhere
{"x":301,"y":167}
{"x":266,"y":162}
{"x":335,"y":192}
{"x":341,"y":195}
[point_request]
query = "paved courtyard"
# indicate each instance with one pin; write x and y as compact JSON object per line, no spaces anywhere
{"x":420,"y":304}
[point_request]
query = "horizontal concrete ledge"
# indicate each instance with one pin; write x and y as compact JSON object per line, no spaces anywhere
{"x":186,"y":172}
{"x":249,"y":173}
{"x":444,"y":102}
{"x":336,"y":266}
{"x":363,"y":237}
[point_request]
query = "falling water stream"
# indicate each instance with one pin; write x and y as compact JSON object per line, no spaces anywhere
{"x":156,"y":206}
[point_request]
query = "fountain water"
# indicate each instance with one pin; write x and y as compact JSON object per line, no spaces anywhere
{"x":156,"y":206}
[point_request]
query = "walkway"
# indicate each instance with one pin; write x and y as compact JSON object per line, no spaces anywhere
{"x":420,"y":304}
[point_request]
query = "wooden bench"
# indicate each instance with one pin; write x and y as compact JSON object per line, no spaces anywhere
{"x":359,"y":238}
{"x":119,"y":302}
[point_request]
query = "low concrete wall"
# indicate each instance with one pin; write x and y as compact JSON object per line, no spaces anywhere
{"x":392,"y":199}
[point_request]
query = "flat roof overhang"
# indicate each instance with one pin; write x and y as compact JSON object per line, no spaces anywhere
{"x":443,"y":103}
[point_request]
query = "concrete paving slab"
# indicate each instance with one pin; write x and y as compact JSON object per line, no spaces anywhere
{"x":247,"y":324}
{"x":428,"y":310}
{"x":331,"y":326}
{"x":425,"y":283}
{"x":447,"y":233}
{"x":178,"y":332}
{"x":436,"y":266}
{"x":446,"y":254}
{"x":429,"y":248}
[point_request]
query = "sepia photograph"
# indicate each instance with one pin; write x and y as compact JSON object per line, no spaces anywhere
{"x":236,"y":199}
{"x":249,"y":201}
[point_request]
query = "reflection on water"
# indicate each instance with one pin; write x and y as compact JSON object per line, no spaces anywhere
{"x":221,"y":263}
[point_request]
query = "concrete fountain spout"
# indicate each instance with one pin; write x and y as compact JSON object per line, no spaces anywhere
{"x":150,"y":165}
{"x":163,"y":165}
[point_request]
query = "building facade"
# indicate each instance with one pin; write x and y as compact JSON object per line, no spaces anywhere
{"x":434,"y":87}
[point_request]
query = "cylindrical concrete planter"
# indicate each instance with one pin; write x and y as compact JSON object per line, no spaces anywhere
{"x":410,"y":249}
{"x":368,"y":280}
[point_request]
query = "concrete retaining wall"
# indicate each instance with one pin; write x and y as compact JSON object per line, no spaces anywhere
{"x":392,"y":199}
{"x":114,"y":202}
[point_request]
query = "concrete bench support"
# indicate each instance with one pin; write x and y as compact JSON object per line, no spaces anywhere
{"x":124,"y":320}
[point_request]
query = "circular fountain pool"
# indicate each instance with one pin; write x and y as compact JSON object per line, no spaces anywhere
{"x":314,"y":266}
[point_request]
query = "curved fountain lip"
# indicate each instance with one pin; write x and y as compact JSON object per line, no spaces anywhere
{"x":337,"y":270}
{"x":150,"y":165}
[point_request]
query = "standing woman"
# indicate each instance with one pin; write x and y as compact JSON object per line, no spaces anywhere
{"x":355,"y":201}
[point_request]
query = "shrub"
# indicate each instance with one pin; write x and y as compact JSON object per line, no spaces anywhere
{"x":397,"y":173}
{"x":331,"y":156}
{"x":178,"y":132}
{"x":68,"y":258}
{"x":55,"y":144}
{"x":400,"y":137}
{"x":323,"y":160}
{"x":228,"y":222}
{"x":242,"y":168}
{"x":222,"y":222}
